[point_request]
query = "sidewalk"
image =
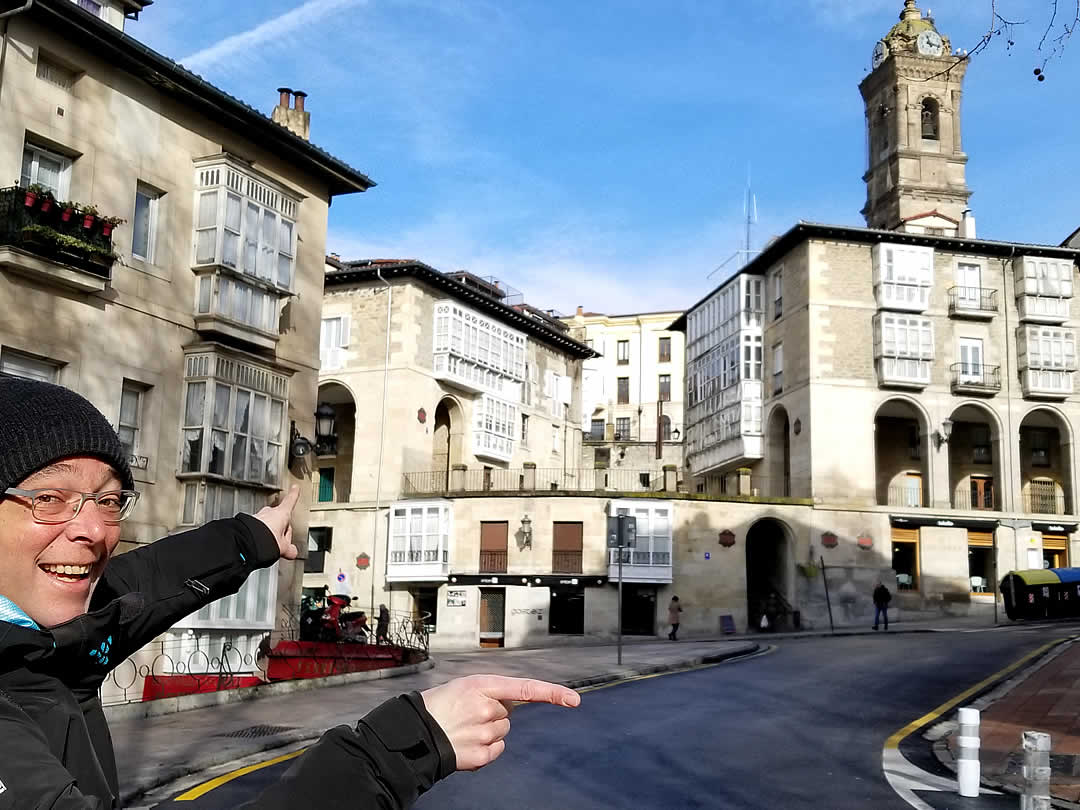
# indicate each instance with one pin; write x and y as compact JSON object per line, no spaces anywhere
{"x":1048,"y":700}
{"x":152,"y":752}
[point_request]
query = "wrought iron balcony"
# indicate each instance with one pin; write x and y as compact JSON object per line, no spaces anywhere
{"x":971,"y":378}
{"x":566,"y":562}
{"x":37,"y":226}
{"x":973,"y":302}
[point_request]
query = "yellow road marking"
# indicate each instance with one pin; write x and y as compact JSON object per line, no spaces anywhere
{"x":929,"y":717}
{"x":206,"y":787}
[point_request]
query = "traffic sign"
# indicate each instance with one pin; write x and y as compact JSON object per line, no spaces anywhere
{"x":621,"y":531}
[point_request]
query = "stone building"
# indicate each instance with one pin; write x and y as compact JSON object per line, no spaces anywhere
{"x":193,"y":323}
{"x":632,"y":409}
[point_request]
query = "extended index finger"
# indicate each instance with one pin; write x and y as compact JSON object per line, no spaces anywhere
{"x":528,"y":690}
{"x":288,"y":503}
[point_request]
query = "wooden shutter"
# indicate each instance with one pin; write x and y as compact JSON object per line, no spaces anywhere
{"x":493,"y":536}
{"x":568,"y":536}
{"x":905,"y":535}
{"x":1055,"y":542}
{"x":981,"y":539}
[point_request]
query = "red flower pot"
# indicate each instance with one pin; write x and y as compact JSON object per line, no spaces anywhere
{"x":106,"y":229}
{"x":67,"y":214}
{"x":46,"y":204}
{"x":88,"y":221}
{"x":31,"y":198}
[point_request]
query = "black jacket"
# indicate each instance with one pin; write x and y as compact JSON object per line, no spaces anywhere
{"x":55,"y":747}
{"x":881,"y":596}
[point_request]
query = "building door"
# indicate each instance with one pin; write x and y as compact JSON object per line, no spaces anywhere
{"x":639,"y":610}
{"x":492,"y":617}
{"x":493,"y":537}
{"x":969,"y":283}
{"x":1055,"y":551}
{"x":971,"y":360}
{"x":567,"y":613}
{"x":911,"y":491}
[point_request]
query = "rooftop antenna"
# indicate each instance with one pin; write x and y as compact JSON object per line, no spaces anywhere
{"x":750,"y":212}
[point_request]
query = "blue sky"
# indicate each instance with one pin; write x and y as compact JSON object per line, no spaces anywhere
{"x":597,"y":153}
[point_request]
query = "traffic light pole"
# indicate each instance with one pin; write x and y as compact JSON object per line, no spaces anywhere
{"x":619,"y":621}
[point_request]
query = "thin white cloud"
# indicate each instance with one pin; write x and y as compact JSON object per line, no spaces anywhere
{"x":265,"y":33}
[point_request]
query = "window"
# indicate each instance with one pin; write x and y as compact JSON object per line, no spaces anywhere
{"x":665,"y":350}
{"x":930,"y":122}
{"x":778,"y":294}
{"x":319,"y":541}
{"x":243,"y":422}
{"x":665,"y":388}
{"x":905,"y":559}
{"x":982,"y":492}
{"x":89,"y":5}
{"x":596,"y":430}
{"x":589,"y":343}
{"x":555,"y":446}
{"x":1047,"y":277}
{"x":144,"y":223}
{"x":326,"y":485}
{"x":244,"y":224}
{"x":623,"y":352}
{"x":982,"y":452}
{"x":903,"y":275}
{"x":778,"y":368}
{"x":622,"y":428}
{"x":131,"y":404}
{"x":981,"y":561}
{"x":220,"y":502}
{"x":1046,"y":347}
{"x":251,"y":606}
{"x":653,"y":534}
{"x":969,"y":286}
{"x":971,"y":360}
{"x":623,"y":390}
{"x":914,"y":442}
{"x":479,"y":352}
{"x":426,"y":608}
{"x":905,"y":344}
{"x":1040,"y":447}
{"x":752,"y":355}
{"x":44,"y":168}
{"x":420,"y":534}
{"x":17,"y":364}
{"x":333,"y":341}
{"x":55,"y":73}
{"x":495,"y":429}
{"x":665,"y":428}
{"x":525,"y":430}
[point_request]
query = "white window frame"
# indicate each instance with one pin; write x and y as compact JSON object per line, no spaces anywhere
{"x":970,"y":371}
{"x":495,"y":427}
{"x":968,"y":296}
{"x":135,"y":425}
{"x":422,"y":543}
{"x":1051,"y":348}
{"x":153,"y":197}
{"x":101,"y":6}
{"x":654,"y":533}
{"x":64,"y":175}
{"x":1048,"y":278}
{"x":14,"y":363}
{"x":478,"y":351}
{"x":778,"y":368}
{"x":334,"y":336}
{"x":903,"y":275}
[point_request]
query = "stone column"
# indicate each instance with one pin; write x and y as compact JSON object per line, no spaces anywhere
{"x":457,"y":477}
{"x":671,"y":478}
{"x":530,"y":475}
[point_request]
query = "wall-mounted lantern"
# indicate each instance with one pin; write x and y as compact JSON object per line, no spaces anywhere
{"x":526,"y":531}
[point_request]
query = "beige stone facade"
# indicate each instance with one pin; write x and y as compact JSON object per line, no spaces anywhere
{"x":193,"y":326}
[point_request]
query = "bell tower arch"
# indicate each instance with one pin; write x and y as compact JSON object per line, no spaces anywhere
{"x":916,"y":166}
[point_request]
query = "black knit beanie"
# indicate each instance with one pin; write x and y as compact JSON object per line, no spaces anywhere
{"x":41,"y":423}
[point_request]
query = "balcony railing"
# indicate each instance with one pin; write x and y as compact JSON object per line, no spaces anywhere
{"x":908,"y":497}
{"x":975,"y":379}
{"x":984,"y":498}
{"x":977,"y":301}
{"x":57,"y":231}
{"x":566,"y":562}
{"x":635,"y":557}
{"x":416,"y":555}
{"x":492,"y":562}
{"x":1046,"y":498}
{"x":528,"y":480}
{"x":738,"y":485}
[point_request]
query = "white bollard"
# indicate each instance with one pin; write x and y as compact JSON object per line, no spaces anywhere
{"x":967,"y":755}
{"x":1036,"y":795}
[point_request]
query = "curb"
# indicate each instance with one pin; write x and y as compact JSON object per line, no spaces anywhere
{"x":992,"y":694}
{"x":169,"y":773}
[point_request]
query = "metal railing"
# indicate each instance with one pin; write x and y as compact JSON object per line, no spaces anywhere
{"x":538,"y":480}
{"x":905,"y":496}
{"x":753,"y":486}
{"x":972,"y":299}
{"x":964,"y":498}
{"x":566,"y":562}
{"x":976,"y":376}
{"x":635,"y":557}
{"x":417,"y":555}
{"x":1046,"y":498}
{"x":42,"y":225}
{"x":492,"y":562}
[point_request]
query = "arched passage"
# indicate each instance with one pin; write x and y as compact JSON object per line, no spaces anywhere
{"x":447,"y":436}
{"x":901,"y":453}
{"x":334,"y":452}
{"x":768,"y":574}
{"x":779,"y":452}
{"x":975,"y":451}
{"x":1046,"y":473}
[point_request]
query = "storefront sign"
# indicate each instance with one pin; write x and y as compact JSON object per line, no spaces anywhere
{"x":455,"y":598}
{"x":527,"y":611}
{"x":489,"y":580}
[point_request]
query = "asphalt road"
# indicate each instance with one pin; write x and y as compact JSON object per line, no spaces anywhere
{"x":801,"y":727}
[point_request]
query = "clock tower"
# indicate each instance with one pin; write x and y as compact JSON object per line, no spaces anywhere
{"x":916,"y":164}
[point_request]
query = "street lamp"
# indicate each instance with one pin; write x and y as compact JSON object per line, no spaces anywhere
{"x":325,"y":437}
{"x":526,"y":532}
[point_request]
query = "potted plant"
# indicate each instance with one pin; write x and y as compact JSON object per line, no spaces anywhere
{"x":32,"y":194}
{"x":89,"y":213}
{"x":47,"y":201}
{"x":108,"y":223}
{"x":67,"y":210}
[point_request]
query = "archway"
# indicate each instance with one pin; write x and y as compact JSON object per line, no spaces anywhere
{"x":334,"y":453}
{"x":665,"y":428}
{"x":1046,"y":473}
{"x":975,"y":449}
{"x":448,"y":430}
{"x":901,"y":453}
{"x":768,"y":575}
{"x":930,"y":119}
{"x":779,"y":452}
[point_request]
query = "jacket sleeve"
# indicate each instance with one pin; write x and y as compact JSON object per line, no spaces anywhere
{"x":32,"y":778}
{"x":179,"y":574}
{"x":396,"y":753}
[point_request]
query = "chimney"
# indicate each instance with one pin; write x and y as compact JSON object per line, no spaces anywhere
{"x":580,"y":311}
{"x":336,"y":257}
{"x":967,"y":224}
{"x":295,"y":119}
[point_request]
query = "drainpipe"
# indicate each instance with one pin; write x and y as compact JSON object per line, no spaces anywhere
{"x":382,"y":436}
{"x":6,"y":17}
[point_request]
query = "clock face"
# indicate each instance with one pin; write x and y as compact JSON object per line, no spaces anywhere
{"x":929,"y":43}
{"x":881,"y":51}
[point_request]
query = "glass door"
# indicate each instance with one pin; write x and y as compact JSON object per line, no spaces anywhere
{"x":969,"y":286}
{"x":971,"y":357}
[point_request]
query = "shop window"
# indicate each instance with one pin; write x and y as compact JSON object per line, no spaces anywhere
{"x":320,"y":539}
{"x":426,"y":608}
{"x":905,"y":558}
{"x":981,"y":562}
{"x":567,"y":612}
{"x":1055,"y":551}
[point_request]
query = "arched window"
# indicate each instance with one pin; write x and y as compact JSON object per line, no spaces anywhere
{"x":665,"y":428}
{"x":930,"y":119}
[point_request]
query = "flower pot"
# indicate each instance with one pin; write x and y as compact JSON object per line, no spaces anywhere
{"x":67,"y":214}
{"x":88,"y":221}
{"x":46,"y":205}
{"x":106,"y":229}
{"x":31,"y":198}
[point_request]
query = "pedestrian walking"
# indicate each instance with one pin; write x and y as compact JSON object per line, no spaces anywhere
{"x":71,"y":612}
{"x":673,"y":611}
{"x":882,"y":598}
{"x":382,"y":626}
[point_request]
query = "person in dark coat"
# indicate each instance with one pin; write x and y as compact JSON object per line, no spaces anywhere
{"x":70,"y":613}
{"x":882,"y":597}
{"x":382,"y":626}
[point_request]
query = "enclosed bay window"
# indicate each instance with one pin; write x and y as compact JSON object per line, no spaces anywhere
{"x":218,"y":501}
{"x":477,"y":352}
{"x":903,"y":348}
{"x":1047,"y":360}
{"x":419,"y":541}
{"x":494,"y":428}
{"x":903,"y":276}
{"x":1044,"y":287}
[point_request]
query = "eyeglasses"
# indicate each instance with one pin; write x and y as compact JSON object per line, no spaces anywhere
{"x":62,"y":505}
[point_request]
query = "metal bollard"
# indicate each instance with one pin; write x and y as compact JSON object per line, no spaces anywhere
{"x":1036,"y":795}
{"x":967,"y":759}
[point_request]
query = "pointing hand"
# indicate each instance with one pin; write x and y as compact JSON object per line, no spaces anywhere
{"x":278,"y":520}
